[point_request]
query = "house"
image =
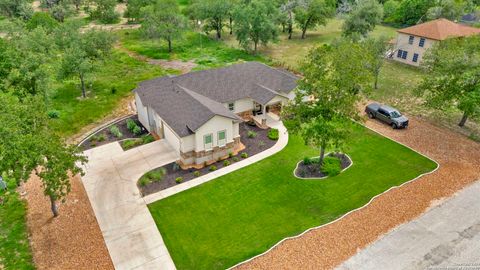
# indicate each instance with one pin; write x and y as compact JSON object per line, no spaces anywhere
{"x":198,"y":113}
{"x":412,"y":42}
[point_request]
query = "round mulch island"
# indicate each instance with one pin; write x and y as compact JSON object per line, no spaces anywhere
{"x":310,"y":169}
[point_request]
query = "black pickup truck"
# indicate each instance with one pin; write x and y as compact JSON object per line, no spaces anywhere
{"x":387,"y":114}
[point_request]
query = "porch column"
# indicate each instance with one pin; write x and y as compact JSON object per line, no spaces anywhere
{"x":264,"y":115}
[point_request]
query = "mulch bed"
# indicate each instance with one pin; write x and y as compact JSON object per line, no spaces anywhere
{"x":330,"y":245}
{"x":109,"y":138}
{"x":72,"y":240}
{"x":253,"y":146}
{"x":313,"y":171}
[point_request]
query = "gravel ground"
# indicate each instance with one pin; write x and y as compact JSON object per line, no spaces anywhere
{"x":327,"y":247}
{"x":73,"y":240}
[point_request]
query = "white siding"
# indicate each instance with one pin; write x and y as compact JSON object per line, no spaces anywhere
{"x":236,"y":130}
{"x":212,"y":126}
{"x":142,"y":112}
{"x":277,"y":99}
{"x":241,"y":105}
{"x":402,"y":44}
{"x":187,"y":143}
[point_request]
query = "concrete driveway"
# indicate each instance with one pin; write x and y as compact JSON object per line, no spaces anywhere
{"x":130,"y":233}
{"x":446,"y":237}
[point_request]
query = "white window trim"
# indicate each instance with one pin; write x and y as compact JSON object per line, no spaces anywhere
{"x":205,"y":146}
{"x":224,"y":140}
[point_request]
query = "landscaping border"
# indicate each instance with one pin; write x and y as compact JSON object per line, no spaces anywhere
{"x":324,"y":177}
{"x":352,"y":211}
{"x":96,"y":130}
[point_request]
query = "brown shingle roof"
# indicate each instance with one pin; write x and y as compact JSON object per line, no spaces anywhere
{"x":440,"y":29}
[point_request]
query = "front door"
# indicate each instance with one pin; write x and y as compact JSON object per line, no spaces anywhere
{"x":257,"y":108}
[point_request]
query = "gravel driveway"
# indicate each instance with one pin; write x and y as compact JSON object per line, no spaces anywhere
{"x":327,"y":247}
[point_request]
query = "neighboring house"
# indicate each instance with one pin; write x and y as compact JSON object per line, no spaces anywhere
{"x":412,"y":42}
{"x":199,"y":113}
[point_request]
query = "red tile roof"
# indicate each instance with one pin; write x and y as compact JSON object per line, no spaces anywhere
{"x":440,"y":29}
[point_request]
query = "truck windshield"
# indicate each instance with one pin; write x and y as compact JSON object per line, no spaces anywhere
{"x":395,"y":114}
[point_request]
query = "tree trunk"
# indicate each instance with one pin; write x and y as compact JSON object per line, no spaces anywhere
{"x":231,"y":25}
{"x":290,"y":30}
{"x":464,"y":120}
{"x":169,"y":45}
{"x":322,"y":156}
{"x":304,"y":33}
{"x":82,"y":81}
{"x":219,"y":33}
{"x":53,"y":206}
{"x":376,"y":82}
{"x":254,"y":47}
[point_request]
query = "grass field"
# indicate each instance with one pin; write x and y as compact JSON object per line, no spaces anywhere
{"x":113,"y":81}
{"x":242,"y":214}
{"x":14,"y":247}
{"x":193,"y":46}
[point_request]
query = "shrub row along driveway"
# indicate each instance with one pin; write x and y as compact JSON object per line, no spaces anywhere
{"x":329,"y":246}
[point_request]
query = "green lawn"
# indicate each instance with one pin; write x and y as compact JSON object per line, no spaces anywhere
{"x":242,"y":214}
{"x":204,"y":51}
{"x":14,"y":247}
{"x":120,"y":72}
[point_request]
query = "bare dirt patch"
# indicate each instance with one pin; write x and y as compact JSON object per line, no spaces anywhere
{"x":73,"y":240}
{"x":328,"y":246}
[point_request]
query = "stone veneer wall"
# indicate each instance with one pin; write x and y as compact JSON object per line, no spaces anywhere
{"x":193,"y":158}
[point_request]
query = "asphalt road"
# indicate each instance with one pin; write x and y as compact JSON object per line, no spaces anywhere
{"x":445,"y":237}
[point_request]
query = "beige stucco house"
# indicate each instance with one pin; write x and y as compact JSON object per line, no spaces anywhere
{"x":198,"y":113}
{"x":412,"y":42}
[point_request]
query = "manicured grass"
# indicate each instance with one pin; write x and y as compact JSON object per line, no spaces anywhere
{"x":15,"y":251}
{"x":242,"y":214}
{"x":113,"y":81}
{"x":204,"y":51}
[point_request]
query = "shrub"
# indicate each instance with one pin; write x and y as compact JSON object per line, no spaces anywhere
{"x":196,"y":173}
{"x":273,"y":134}
{"x":53,"y":114}
{"x":143,"y":182}
{"x":230,"y":154}
{"x":115,"y":131}
{"x":137,"y":130}
{"x":251,"y":134}
{"x":176,"y":167}
{"x":226,"y":163}
{"x":244,"y":155}
{"x":101,"y":137}
{"x":235,"y":159}
{"x":331,"y":166}
{"x":113,"y":90}
{"x":147,"y":139}
{"x":93,"y":144}
{"x":155,"y":175}
{"x":179,"y":179}
{"x":131,"y":124}
{"x":307,"y":161}
{"x":261,"y":144}
{"x":212,"y":168}
{"x":128,"y":144}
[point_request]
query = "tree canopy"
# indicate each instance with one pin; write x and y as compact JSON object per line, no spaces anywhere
{"x":363,"y":19}
{"x":311,"y":13}
{"x":334,"y":77}
{"x":255,"y":24}
{"x":453,"y":76}
{"x":163,"y":20}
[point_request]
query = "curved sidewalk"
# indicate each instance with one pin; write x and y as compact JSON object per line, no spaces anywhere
{"x":279,"y":145}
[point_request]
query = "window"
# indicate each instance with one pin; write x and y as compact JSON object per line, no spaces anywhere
{"x":382,"y":111}
{"x":222,"y":138}
{"x":404,"y":55}
{"x":231,"y":106}
{"x":410,"y":39}
{"x":399,"y":53}
{"x":421,"y":43}
{"x":415,"y":57}
{"x":207,"y":141}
